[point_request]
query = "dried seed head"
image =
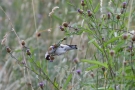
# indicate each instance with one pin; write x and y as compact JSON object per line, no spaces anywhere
{"x":65,"y":24}
{"x":103,"y":39}
{"x":89,"y":13}
{"x":125,"y":36}
{"x":76,"y":60}
{"x":124,"y":5}
{"x":92,"y":74}
{"x":82,"y":3}
{"x":112,"y":52}
{"x":132,"y":54}
{"x":23,"y":43}
{"x":125,"y":63}
{"x":8,"y":49}
{"x":65,"y":38}
{"x":76,"y":29}
{"x":61,"y":28}
{"x":29,"y":84}
{"x":133,"y":37}
{"x":28,"y":52}
{"x":80,"y":11}
{"x":118,"y":17}
{"x":38,"y":34}
{"x":103,"y":69}
{"x":109,"y":15}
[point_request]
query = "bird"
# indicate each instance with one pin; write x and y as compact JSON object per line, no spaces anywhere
{"x":59,"y":50}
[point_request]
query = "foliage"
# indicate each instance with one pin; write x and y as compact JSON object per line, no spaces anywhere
{"x":101,"y":29}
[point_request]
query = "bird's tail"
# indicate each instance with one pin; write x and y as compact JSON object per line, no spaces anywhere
{"x":73,"y":46}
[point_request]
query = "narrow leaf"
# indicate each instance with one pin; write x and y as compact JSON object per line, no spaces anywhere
{"x":97,"y":8}
{"x":95,"y":62}
{"x":112,"y":40}
{"x":92,"y":67}
{"x":67,"y":81}
{"x":92,"y":40}
{"x":98,"y":46}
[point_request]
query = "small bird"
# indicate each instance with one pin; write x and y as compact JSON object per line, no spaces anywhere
{"x":61,"y":49}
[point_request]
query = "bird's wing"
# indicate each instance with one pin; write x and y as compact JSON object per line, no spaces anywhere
{"x":60,"y":51}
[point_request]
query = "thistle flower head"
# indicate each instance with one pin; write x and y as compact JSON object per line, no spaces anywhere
{"x":78,"y":71}
{"x":41,"y":84}
{"x":124,"y":4}
{"x":80,"y":11}
{"x":109,"y":15}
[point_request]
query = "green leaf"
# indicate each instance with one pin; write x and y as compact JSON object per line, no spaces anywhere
{"x":119,"y":46}
{"x":97,"y":8}
{"x":95,"y":62}
{"x":111,"y":40}
{"x":102,"y":88}
{"x":88,"y":31}
{"x":67,"y":81}
{"x":56,"y":17}
{"x":56,"y":84}
{"x":92,"y":67}
{"x":70,"y":4}
{"x":92,"y":40}
{"x":98,"y":46}
{"x":90,"y":1}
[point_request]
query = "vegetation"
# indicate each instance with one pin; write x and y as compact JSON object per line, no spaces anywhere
{"x":101,"y":29}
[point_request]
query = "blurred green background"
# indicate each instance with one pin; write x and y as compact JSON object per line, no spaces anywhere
{"x":31,"y":17}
